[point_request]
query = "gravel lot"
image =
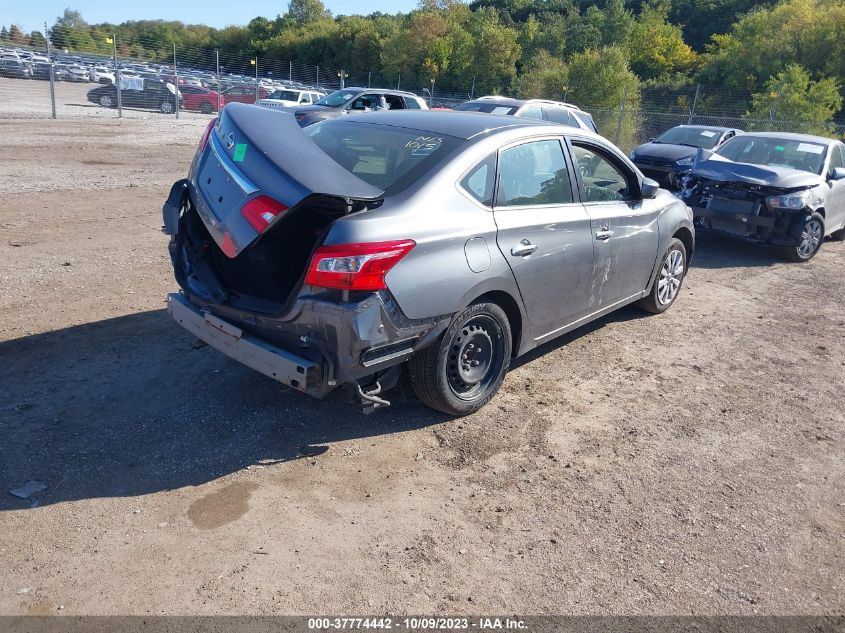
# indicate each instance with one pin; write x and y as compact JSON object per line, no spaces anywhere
{"x":689,"y":463}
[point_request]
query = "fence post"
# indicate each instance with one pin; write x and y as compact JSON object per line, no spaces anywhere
{"x":694,"y":104}
{"x":117,"y":76}
{"x":290,"y":72}
{"x":176,"y":75}
{"x":318,"y":77}
{"x":398,"y":81}
{"x":472,"y":91}
{"x":52,"y":78}
{"x":219,"y":87}
{"x":621,"y":115}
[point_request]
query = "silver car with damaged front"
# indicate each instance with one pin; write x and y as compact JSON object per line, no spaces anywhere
{"x":444,"y":243}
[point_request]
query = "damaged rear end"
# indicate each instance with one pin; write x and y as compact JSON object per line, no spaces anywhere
{"x":258,"y":283}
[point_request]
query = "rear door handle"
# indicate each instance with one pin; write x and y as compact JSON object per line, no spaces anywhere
{"x":603,"y":235}
{"x":523,"y":249}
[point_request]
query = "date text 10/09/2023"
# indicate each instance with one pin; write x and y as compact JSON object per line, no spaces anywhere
{"x":418,"y":623}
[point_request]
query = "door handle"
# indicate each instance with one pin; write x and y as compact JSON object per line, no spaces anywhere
{"x":603,"y":235}
{"x":523,"y":249}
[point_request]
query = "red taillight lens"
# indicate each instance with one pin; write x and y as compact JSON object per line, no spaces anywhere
{"x":262,"y":210}
{"x":356,"y":266}
{"x":207,"y":133}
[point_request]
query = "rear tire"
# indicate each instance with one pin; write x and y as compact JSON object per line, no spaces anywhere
{"x":812,"y":236}
{"x":670,"y":278}
{"x":166,"y":107}
{"x":463,"y":371}
{"x":106,"y":101}
{"x":206,"y":107}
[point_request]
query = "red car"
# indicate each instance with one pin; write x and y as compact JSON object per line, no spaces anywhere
{"x":201,"y":99}
{"x":244,"y":93}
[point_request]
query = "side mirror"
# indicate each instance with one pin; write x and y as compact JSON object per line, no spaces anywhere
{"x":838,"y":173}
{"x":649,"y":188}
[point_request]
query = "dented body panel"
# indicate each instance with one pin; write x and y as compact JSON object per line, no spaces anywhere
{"x":465,"y":248}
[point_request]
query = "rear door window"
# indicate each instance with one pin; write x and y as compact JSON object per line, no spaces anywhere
{"x":559,"y":115}
{"x":532,"y":112}
{"x":412,"y":104}
{"x":394,"y":102}
{"x":533,"y":173}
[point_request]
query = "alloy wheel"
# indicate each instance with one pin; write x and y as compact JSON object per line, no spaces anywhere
{"x":811,"y":237}
{"x":671,"y":276}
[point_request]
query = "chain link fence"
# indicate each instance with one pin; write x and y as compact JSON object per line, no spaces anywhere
{"x":78,"y":81}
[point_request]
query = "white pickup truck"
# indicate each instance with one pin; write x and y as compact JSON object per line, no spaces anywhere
{"x":289,"y":98}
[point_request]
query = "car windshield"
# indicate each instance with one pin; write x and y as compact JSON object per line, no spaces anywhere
{"x":489,"y":108}
{"x":285,"y":95}
{"x":337,"y":98}
{"x":775,"y":152}
{"x":386,"y":157}
{"x":691,"y":136}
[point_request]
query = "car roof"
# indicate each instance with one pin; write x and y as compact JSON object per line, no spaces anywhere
{"x":790,"y":136}
{"x":464,"y":125}
{"x":385,"y":91}
{"x":709,"y":127}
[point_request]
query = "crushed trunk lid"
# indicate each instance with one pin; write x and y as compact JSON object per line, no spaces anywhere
{"x":255,"y":152}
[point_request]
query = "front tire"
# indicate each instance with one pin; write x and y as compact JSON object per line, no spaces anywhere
{"x":206,"y":107}
{"x":106,"y":101}
{"x":812,"y":236}
{"x":166,"y":107}
{"x":463,"y":371}
{"x":670,"y":278}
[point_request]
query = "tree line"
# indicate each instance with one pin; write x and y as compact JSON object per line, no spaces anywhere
{"x":786,"y":56}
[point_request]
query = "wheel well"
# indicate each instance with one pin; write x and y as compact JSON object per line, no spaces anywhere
{"x":820,"y":211}
{"x":511,"y":308}
{"x":685,"y":235}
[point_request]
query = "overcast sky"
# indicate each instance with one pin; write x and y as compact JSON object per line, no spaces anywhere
{"x":30,"y":16}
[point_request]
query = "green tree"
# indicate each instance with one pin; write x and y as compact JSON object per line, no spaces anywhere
{"x":763,"y":43}
{"x":793,"y":96}
{"x":601,"y":81}
{"x":544,"y":77}
{"x":4,"y":33}
{"x":37,"y":40}
{"x":16,"y":35}
{"x":657,"y":49}
{"x":302,"y":12}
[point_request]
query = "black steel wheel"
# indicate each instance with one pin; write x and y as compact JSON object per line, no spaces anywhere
{"x":462,"y":372}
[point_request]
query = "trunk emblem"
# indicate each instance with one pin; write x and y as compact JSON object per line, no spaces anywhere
{"x":230,"y":140}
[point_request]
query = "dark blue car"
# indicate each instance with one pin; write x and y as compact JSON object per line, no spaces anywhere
{"x":672,"y":153}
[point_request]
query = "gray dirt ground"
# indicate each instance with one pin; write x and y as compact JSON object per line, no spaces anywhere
{"x":684,"y":463}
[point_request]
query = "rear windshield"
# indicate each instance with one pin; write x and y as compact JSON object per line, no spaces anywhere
{"x":489,"y":108}
{"x":776,"y":152}
{"x":691,"y":136}
{"x":389,"y":158}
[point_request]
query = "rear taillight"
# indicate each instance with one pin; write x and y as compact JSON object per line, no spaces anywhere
{"x":262,"y":210}
{"x":207,"y":133}
{"x":356,"y":266}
